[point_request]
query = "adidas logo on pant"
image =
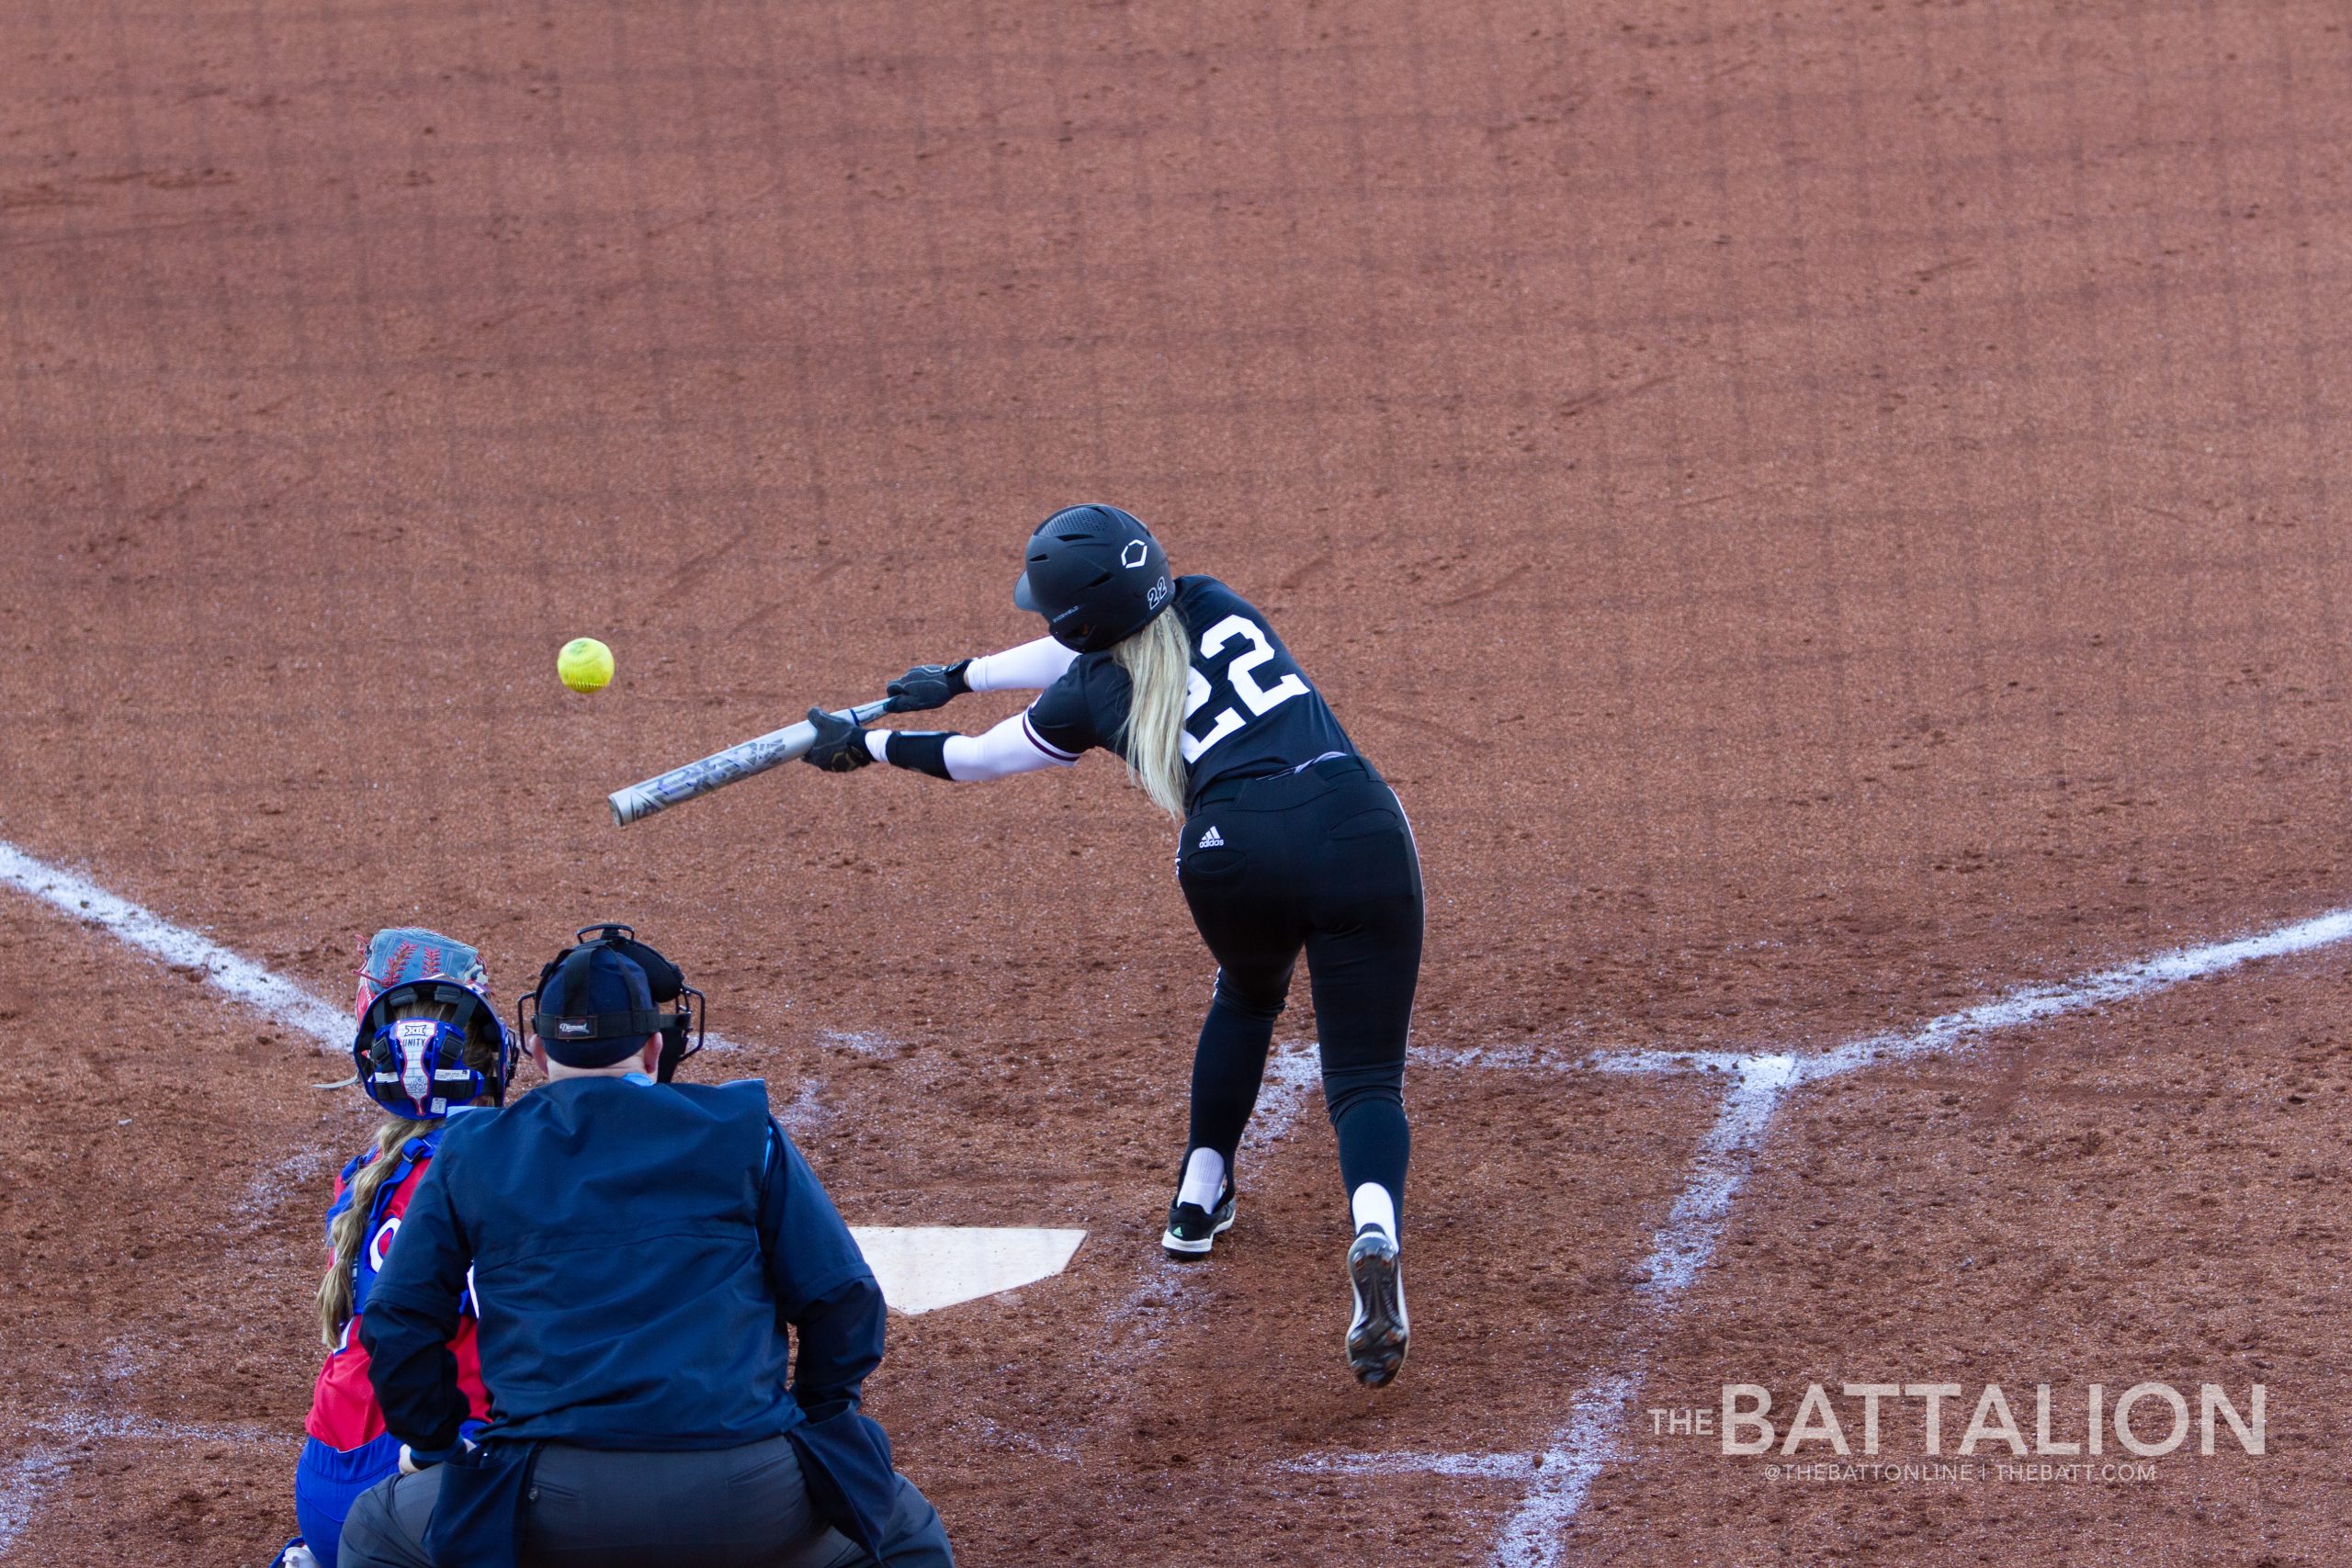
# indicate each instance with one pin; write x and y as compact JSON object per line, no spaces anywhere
{"x":1212,"y":839}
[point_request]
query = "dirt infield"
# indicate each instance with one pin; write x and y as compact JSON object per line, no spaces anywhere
{"x":1826,"y":515}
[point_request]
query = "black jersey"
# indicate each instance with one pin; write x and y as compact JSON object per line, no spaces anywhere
{"x":1250,"y":711}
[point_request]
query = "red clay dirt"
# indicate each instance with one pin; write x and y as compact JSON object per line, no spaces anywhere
{"x":1823,"y":513}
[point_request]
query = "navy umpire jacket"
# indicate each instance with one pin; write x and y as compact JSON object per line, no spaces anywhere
{"x":636,"y":1253}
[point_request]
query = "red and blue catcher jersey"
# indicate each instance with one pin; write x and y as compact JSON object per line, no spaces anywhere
{"x":343,"y":1412}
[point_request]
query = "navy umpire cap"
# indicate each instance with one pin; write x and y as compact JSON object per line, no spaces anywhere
{"x":596,"y":1009}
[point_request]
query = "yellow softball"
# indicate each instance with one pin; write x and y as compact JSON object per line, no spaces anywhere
{"x":585,"y":664}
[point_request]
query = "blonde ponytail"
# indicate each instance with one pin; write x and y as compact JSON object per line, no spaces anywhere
{"x":349,"y":1232}
{"x":1158,"y":662}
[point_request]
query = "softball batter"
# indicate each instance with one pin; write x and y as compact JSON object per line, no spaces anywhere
{"x":1290,"y":842}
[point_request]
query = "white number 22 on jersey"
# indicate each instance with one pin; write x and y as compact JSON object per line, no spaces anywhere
{"x":1257,"y":699}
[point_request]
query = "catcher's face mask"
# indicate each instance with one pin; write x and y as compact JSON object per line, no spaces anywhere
{"x":417,"y":1066}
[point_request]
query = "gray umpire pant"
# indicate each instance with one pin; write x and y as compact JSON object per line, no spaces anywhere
{"x":744,"y":1507}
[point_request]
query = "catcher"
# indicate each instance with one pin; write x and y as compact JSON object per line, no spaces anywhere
{"x":429,"y":1046}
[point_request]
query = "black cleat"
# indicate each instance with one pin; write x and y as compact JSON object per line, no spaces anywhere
{"x":1378,"y":1334}
{"x":1192,"y":1230}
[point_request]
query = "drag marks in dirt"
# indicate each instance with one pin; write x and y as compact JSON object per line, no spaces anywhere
{"x":1559,"y":1479}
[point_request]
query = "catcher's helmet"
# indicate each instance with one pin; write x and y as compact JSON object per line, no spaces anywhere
{"x":417,"y":1066}
{"x":1097,"y":576}
{"x":598,"y":999}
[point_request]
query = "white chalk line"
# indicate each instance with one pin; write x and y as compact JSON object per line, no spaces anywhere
{"x":1292,"y":1069}
{"x":25,"y":1484}
{"x":1560,"y":1478}
{"x":237,"y":978}
{"x":864,"y":1042}
{"x":88,"y":1427}
{"x":1687,"y":1240}
{"x":805,"y":1113}
{"x":240,"y":980}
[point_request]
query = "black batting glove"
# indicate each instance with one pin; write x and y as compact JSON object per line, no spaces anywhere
{"x":928,"y":686}
{"x":841,"y":743}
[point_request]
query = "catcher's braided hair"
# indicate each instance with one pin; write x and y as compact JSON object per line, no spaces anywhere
{"x":349,"y":1232}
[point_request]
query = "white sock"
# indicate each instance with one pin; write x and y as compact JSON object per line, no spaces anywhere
{"x":1374,"y":1206}
{"x":1204,"y":1179}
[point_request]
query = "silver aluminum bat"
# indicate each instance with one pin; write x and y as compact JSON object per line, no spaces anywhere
{"x":723,"y":768}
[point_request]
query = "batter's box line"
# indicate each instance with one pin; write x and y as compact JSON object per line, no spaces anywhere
{"x":1558,"y":1479}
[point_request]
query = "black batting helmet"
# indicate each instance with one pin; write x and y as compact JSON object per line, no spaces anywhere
{"x":1097,"y":576}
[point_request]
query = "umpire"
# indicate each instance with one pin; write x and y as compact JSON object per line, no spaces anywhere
{"x":636,"y":1250}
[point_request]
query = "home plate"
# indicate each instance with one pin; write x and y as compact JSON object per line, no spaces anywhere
{"x":924,"y":1268}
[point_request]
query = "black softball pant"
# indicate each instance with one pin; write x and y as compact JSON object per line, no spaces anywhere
{"x":1320,"y":861}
